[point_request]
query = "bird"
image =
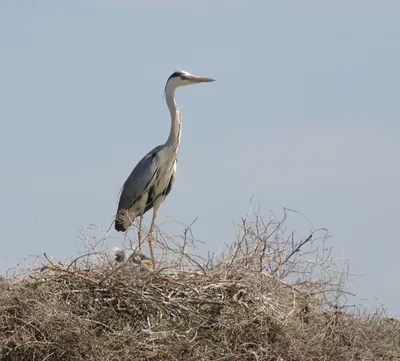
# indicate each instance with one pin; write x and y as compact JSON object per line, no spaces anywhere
{"x":132,"y":258}
{"x":153,"y":177}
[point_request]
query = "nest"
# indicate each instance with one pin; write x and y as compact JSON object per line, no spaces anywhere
{"x":267,"y":297}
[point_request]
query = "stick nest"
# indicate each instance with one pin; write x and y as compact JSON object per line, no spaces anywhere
{"x":268,"y":296}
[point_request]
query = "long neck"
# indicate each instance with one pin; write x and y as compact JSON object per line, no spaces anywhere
{"x":176,"y":122}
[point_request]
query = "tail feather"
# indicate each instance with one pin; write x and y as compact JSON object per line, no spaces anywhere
{"x":119,"y":226}
{"x":123,"y":220}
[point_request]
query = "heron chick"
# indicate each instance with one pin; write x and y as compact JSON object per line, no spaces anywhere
{"x":153,"y":177}
{"x":130,"y":257}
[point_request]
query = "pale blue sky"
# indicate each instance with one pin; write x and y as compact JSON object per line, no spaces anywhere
{"x":304,"y":114}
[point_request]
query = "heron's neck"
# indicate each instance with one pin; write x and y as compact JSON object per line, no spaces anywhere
{"x":176,"y":122}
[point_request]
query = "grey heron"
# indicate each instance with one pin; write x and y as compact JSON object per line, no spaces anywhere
{"x":153,"y":177}
{"x":130,"y":257}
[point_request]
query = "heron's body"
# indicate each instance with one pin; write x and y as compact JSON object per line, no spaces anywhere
{"x":153,"y":177}
{"x":132,"y":202}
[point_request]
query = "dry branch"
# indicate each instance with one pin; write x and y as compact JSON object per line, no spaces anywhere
{"x":268,"y":296}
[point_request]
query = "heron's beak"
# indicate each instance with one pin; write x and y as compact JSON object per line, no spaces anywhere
{"x":199,"y":79}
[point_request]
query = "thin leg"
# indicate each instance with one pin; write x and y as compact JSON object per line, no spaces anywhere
{"x":140,"y":232}
{"x":157,"y":204}
{"x":151,"y":239}
{"x":143,"y":202}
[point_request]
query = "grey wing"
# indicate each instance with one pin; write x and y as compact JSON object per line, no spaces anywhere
{"x":171,"y":183}
{"x":167,"y":190}
{"x":140,"y":179}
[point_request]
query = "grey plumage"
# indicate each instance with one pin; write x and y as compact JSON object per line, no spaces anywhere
{"x":129,"y":256}
{"x":153,"y":177}
{"x":132,"y":259}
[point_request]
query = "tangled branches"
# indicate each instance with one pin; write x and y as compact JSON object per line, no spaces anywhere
{"x":267,"y":296}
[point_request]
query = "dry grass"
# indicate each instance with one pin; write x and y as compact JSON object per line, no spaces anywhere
{"x":268,"y":297}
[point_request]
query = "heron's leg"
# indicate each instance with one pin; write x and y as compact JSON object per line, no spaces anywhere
{"x":157,"y":204}
{"x":143,"y":202}
{"x":151,"y":238}
{"x":140,"y":232}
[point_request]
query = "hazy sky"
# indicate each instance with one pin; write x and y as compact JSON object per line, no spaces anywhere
{"x":304,"y":114}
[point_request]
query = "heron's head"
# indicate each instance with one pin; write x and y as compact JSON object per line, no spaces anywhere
{"x":181,"y":78}
{"x":119,"y":254}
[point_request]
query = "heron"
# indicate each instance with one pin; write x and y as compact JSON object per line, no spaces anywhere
{"x":153,"y":177}
{"x":130,"y":257}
